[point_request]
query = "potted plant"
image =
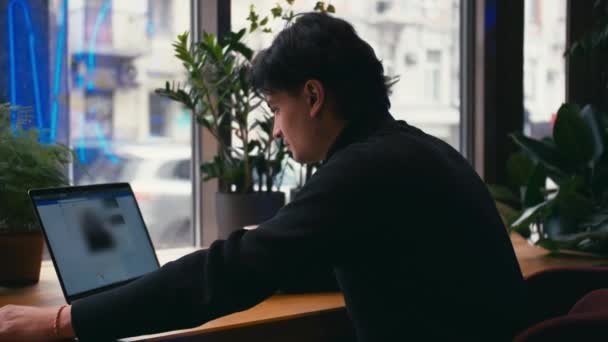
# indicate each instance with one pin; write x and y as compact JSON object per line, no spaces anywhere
{"x":570,"y":212}
{"x":25,"y":163}
{"x":249,"y":160}
{"x":573,"y":213}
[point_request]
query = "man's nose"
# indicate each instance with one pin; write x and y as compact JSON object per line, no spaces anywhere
{"x":276,"y":130}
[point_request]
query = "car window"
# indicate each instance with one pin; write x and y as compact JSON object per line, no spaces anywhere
{"x":182,"y":169}
{"x":175,"y":169}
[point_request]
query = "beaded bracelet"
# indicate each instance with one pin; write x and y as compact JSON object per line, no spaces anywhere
{"x":56,"y":323}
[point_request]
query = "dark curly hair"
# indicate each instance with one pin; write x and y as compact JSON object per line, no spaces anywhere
{"x":322,"y":47}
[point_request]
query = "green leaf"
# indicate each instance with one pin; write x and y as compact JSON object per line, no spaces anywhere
{"x":519,"y":169}
{"x":208,"y":121}
{"x":523,"y":230}
{"x":542,"y":152}
{"x":595,"y":220}
{"x":243,"y":50}
{"x":572,"y":136}
{"x":593,"y":119}
{"x":331,"y":9}
{"x":288,"y":16}
{"x":276,"y":11}
{"x":507,"y":213}
{"x":589,"y":242}
{"x":529,"y":215}
{"x":210,"y":46}
{"x":536,"y":184}
{"x":252,"y":18}
{"x":599,"y":179}
{"x":240,"y":34}
{"x":573,"y":205}
{"x":556,"y":226}
{"x":502,"y":193}
{"x":596,"y":244}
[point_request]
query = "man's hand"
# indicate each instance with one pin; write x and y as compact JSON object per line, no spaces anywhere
{"x":26,"y":323}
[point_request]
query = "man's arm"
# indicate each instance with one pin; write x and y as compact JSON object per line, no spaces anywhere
{"x":235,"y":274}
{"x":26,"y":323}
{"x":64,"y":323}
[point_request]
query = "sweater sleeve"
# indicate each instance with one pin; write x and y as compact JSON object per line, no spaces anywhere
{"x":233,"y":274}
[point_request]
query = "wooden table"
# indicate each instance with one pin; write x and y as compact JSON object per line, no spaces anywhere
{"x":317,"y":316}
{"x":306,"y":311}
{"x":533,"y":259}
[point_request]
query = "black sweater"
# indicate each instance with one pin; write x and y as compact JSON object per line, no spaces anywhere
{"x":411,"y":233}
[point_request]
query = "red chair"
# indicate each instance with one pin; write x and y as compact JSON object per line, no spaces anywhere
{"x":567,"y":304}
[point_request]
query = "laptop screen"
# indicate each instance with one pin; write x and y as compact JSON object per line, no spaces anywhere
{"x":96,"y":236}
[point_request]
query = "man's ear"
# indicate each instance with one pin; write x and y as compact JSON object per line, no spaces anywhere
{"x":315,"y":96}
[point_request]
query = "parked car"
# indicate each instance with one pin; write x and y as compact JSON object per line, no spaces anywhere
{"x":160,"y":177}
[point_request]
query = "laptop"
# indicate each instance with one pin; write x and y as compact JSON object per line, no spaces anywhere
{"x":95,"y":235}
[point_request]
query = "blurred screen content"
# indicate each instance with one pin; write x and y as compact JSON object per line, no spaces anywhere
{"x":97,"y":239}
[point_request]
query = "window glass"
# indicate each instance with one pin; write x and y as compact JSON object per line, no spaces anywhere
{"x":160,"y":18}
{"x":175,"y":169}
{"x":544,"y":64}
{"x":88,"y":70}
{"x":182,"y":169}
{"x":416,"y":40}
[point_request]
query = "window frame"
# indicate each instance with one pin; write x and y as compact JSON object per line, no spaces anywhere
{"x":212,"y":16}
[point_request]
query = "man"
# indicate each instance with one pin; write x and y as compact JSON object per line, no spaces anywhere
{"x":410,"y":231}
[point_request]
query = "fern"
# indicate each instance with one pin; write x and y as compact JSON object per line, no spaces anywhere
{"x":25,"y":163}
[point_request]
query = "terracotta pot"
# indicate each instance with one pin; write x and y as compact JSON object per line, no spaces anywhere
{"x":20,"y":258}
{"x":235,"y":211}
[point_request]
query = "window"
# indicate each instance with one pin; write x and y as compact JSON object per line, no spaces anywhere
{"x":432,"y":79}
{"x":102,"y":34}
{"x":89,"y":77}
{"x":433,"y":57}
{"x":530,"y":79}
{"x":401,"y":39}
{"x":534,"y":9}
{"x":160,"y":18}
{"x":544,"y":66}
{"x":98,"y":117}
{"x":382,"y":6}
{"x":160,"y":110}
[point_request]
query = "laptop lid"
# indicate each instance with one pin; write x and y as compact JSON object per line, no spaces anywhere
{"x":96,"y":236}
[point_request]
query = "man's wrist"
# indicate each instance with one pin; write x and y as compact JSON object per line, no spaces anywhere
{"x":64,"y":323}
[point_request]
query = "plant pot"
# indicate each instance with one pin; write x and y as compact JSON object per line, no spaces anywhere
{"x":20,"y":258}
{"x":235,"y":211}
